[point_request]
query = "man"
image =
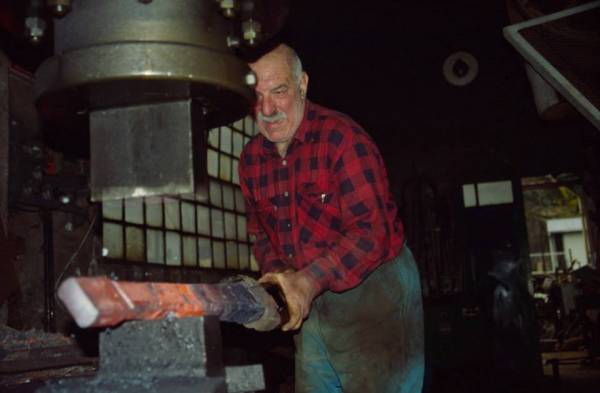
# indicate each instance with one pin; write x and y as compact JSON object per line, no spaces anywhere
{"x":326,"y":232}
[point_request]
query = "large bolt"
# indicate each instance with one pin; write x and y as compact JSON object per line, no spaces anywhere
{"x":59,"y":8}
{"x":35,"y":27}
{"x":228,"y":8}
{"x":251,"y":31}
{"x":233,"y":41}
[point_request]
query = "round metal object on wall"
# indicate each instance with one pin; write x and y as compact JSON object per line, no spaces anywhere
{"x":460,"y":68}
{"x":116,"y":53}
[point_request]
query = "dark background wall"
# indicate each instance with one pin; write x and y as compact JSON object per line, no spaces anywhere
{"x":381,"y":62}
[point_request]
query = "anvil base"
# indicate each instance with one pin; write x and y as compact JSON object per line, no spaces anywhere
{"x":170,"y":355}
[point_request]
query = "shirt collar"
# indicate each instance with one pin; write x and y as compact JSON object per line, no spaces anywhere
{"x":301,"y":134}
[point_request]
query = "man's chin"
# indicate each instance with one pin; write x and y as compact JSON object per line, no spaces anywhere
{"x":278,"y":138}
{"x":274,"y":135}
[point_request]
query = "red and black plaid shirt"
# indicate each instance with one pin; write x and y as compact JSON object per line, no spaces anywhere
{"x":325,"y":207}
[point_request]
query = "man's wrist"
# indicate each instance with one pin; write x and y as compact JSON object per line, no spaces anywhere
{"x":318,"y":281}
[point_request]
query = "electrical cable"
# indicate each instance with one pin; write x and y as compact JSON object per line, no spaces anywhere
{"x":73,"y":257}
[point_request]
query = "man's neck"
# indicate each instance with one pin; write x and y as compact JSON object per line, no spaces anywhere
{"x":282,"y":148}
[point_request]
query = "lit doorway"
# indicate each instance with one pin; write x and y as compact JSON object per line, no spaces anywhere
{"x":562,"y":239}
{"x":557,"y":225}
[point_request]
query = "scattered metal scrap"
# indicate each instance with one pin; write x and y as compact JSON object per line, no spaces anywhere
{"x":37,"y":356}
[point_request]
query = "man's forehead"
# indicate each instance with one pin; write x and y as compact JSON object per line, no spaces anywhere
{"x":271,"y":72}
{"x":269,"y":68}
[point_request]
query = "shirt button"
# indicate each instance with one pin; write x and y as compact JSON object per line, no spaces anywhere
{"x":289,"y":225}
{"x":290,"y":256}
{"x":285,"y":194}
{"x":275,"y":207}
{"x":284,"y":162}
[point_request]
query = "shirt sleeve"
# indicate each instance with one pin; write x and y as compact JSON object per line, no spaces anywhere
{"x":263,"y":251}
{"x":364,"y":239}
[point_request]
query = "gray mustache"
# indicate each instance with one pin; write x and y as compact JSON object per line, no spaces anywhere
{"x":273,"y":118}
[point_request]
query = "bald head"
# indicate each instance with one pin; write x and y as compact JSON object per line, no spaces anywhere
{"x":284,"y":53}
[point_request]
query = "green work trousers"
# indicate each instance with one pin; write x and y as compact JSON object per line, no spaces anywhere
{"x":368,"y":339}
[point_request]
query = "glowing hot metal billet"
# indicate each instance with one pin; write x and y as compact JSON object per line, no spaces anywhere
{"x":99,"y":301}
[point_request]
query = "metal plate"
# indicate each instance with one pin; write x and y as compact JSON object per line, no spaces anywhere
{"x":147,"y":150}
{"x":186,"y":22}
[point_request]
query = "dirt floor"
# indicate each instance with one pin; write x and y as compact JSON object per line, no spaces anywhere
{"x":576,"y":374}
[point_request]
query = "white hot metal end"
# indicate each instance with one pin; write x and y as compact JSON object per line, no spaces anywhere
{"x":78,"y":303}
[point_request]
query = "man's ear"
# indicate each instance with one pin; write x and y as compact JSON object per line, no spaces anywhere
{"x":303,"y":84}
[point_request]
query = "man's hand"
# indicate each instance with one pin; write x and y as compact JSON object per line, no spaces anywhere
{"x":299,"y":290}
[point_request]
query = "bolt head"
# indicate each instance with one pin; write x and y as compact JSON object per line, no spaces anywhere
{"x":35,"y":28}
{"x":251,"y":31}
{"x":228,"y":8}
{"x":250,"y":79}
{"x":233,"y":41}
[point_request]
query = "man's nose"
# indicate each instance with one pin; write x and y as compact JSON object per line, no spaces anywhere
{"x":267,"y":106}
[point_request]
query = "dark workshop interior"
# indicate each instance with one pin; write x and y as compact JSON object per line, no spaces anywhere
{"x":490,"y":136}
